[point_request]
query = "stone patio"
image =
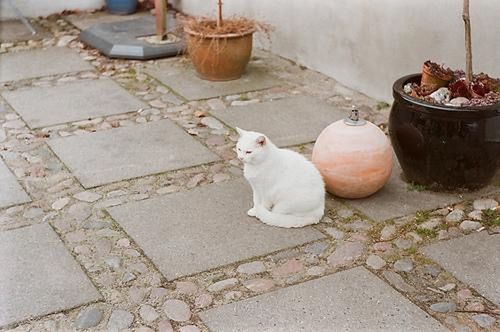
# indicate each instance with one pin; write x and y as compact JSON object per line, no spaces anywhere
{"x":123,"y":206}
{"x":334,"y":301}
{"x":39,"y":276}
{"x":47,"y":106}
{"x":15,"y":30}
{"x":125,"y":153}
{"x":11,"y":192}
{"x":40,"y":62}
{"x":287,"y":122}
{"x":182,"y":240}
{"x":471,"y":259}
{"x":188,"y":85}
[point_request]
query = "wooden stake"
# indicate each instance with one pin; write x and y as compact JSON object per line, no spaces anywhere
{"x":161,"y":18}
{"x":468,"y":43}
{"x":219,"y":13}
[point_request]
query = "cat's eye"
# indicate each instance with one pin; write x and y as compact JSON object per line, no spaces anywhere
{"x":248,"y":152}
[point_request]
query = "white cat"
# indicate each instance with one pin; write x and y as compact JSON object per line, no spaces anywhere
{"x":288,"y":190}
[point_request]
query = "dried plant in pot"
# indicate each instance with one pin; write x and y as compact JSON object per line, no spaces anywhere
{"x":221,"y":49}
{"x":445,"y":125}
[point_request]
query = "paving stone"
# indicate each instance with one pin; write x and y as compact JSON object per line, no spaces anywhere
{"x":485,"y":204}
{"x":189,"y":328}
{"x":88,"y":317}
{"x":252,"y":268}
{"x":395,"y":200}
{"x":290,"y":267}
{"x":60,"y":203}
{"x":186,"y":287}
{"x":177,"y":310}
{"x":375,"y":262}
{"x":432,"y":270}
{"x":443,"y":307}
{"x":387,"y":232}
{"x":42,"y":277}
{"x":40,"y":62}
{"x":335,"y":233}
{"x":403,"y":265}
{"x":11,"y":191}
{"x":48,"y":106}
{"x":469,"y":225}
{"x":216,"y":104}
{"x":120,"y":319}
{"x":346,"y":253}
{"x":317,"y":248}
{"x":186,"y":83}
{"x":352,"y":300}
{"x":471,"y":260}
{"x":15,"y":31}
{"x":430,"y":224}
{"x":144,"y":329}
{"x":259,"y":285}
{"x":316,"y":270}
{"x":148,"y":313}
{"x":403,"y":243}
{"x":203,"y":301}
{"x":223,"y":284}
{"x":448,"y":287}
{"x":484,"y":320}
{"x":118,"y":154}
{"x":220,"y":226}
{"x":285,"y":123}
{"x":476,"y":215}
{"x":455,"y":216}
{"x":165,"y":326}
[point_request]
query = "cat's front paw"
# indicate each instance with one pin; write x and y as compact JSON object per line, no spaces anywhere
{"x":252,"y":212}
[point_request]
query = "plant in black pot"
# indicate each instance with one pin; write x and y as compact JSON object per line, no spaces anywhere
{"x":445,"y":125}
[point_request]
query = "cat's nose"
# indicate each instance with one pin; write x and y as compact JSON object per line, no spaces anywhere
{"x":240,"y":158}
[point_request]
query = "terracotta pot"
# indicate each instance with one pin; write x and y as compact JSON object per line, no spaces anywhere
{"x":444,"y":147}
{"x":432,"y":81}
{"x":354,"y":158}
{"x":220,"y":57}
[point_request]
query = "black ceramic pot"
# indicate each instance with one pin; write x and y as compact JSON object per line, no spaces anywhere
{"x":444,"y":147}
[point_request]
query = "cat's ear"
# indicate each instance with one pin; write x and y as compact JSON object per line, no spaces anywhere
{"x":261,"y":140}
{"x":240,"y":131}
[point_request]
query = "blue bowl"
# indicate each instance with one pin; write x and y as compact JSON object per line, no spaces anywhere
{"x":121,"y":7}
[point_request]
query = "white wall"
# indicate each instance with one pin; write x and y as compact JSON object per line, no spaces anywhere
{"x":367,"y":44}
{"x":35,"y":8}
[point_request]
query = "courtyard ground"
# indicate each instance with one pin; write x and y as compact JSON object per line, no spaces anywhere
{"x":123,"y":207}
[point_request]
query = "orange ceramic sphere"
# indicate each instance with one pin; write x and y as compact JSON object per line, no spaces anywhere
{"x":355,"y":161}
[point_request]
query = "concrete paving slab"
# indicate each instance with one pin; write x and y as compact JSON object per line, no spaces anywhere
{"x":397,"y":199}
{"x":204,"y":228}
{"x":351,"y":300}
{"x":38,"y":275}
{"x":15,"y":31}
{"x":473,"y":259}
{"x":11,"y":192}
{"x":186,"y":83}
{"x":128,"y":152}
{"x":286,"y":122}
{"x":40,"y":62}
{"x":47,"y":106}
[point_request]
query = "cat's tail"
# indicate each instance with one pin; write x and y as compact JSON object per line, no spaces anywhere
{"x":287,"y":220}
